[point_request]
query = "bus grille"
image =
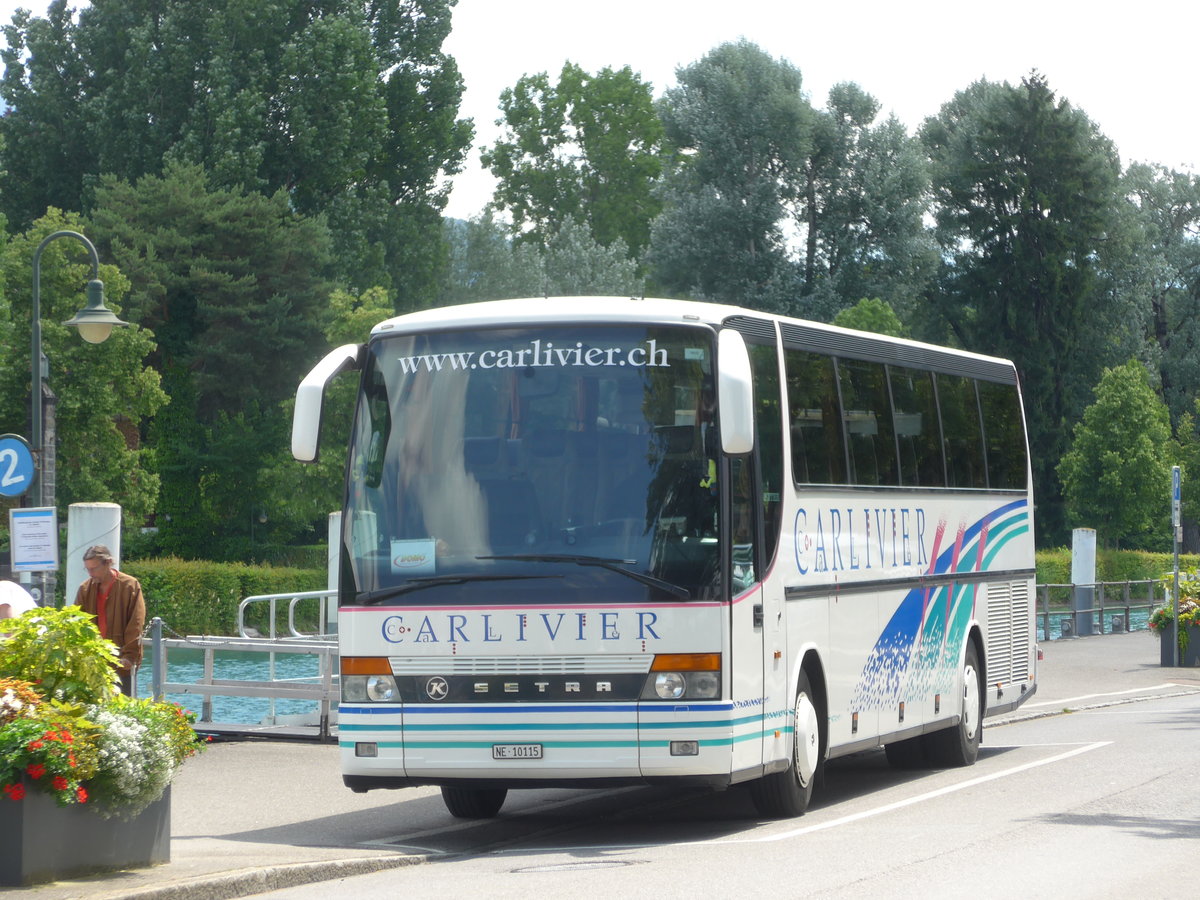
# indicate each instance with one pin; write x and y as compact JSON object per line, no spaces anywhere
{"x":1009,"y":632}
{"x":522,"y":665}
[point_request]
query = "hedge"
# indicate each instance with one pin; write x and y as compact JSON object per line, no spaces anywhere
{"x":197,"y":597}
{"x":1054,"y":566}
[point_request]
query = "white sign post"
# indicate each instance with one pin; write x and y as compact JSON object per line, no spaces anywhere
{"x":33,"y":534}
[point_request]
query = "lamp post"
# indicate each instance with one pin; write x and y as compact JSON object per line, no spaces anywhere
{"x":95,"y":323}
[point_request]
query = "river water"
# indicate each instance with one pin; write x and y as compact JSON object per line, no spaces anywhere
{"x":188,"y":666}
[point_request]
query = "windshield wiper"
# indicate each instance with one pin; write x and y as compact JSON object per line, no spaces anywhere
{"x":415,"y":584}
{"x":602,"y":562}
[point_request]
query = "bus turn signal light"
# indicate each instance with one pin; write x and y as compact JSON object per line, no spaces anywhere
{"x":686,"y":662}
{"x":366,"y":665}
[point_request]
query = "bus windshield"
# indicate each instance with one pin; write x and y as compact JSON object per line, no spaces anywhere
{"x":535,"y":465}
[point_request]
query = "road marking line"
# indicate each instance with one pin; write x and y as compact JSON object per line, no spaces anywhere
{"x":833,"y":823}
{"x":1068,"y":700}
{"x":921,"y":798}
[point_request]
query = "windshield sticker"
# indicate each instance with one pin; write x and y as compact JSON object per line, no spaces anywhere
{"x":538,"y":355}
{"x":414,"y":557}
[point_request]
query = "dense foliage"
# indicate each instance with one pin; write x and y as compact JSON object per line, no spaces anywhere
{"x":266,"y":180}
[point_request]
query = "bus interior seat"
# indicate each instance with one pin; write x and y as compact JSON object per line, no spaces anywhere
{"x":514,"y":520}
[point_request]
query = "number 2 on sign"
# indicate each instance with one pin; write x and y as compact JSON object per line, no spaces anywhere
{"x":8,"y":468}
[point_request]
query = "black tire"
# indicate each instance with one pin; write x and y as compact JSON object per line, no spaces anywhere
{"x":473,"y":803}
{"x":959,"y":745}
{"x":786,"y":794}
{"x":907,"y":754}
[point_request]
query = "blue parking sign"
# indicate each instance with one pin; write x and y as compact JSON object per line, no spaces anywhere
{"x":16,"y":465}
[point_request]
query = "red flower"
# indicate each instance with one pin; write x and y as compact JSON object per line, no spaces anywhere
{"x":50,"y":736}
{"x":35,"y":770}
{"x":59,"y":783}
{"x":81,"y":795}
{"x":36,"y":745}
{"x":14,"y":791}
{"x":65,"y":737}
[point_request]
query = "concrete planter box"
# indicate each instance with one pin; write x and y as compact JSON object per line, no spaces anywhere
{"x":1189,"y":658}
{"x":42,"y":841}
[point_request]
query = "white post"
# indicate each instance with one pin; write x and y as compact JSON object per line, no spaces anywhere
{"x":333,"y":562}
{"x":89,"y":524}
{"x":1083,"y":577}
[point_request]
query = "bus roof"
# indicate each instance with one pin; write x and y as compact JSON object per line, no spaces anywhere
{"x":614,"y":310}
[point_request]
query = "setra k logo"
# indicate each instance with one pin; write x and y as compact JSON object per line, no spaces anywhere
{"x":437,"y":688}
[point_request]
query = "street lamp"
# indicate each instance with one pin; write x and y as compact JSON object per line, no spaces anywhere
{"x":95,"y":322}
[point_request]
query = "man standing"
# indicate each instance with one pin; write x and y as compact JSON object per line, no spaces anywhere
{"x":115,"y":599}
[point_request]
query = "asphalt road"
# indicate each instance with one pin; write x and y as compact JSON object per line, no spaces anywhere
{"x":1090,"y":804}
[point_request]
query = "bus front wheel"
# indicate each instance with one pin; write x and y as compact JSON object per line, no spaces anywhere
{"x":788,"y":793}
{"x":473,"y":803}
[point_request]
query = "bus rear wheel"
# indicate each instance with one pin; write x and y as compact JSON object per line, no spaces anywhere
{"x":473,"y":803}
{"x":788,"y":793}
{"x":959,"y":745}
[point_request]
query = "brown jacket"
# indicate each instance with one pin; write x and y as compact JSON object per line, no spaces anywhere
{"x":125,"y":612}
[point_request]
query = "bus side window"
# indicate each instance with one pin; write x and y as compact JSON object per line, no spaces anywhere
{"x":866,"y":412}
{"x":959,"y":405}
{"x":818,"y":453}
{"x":768,"y":426}
{"x":1005,"y":435}
{"x":742,"y":540}
{"x":918,"y":436}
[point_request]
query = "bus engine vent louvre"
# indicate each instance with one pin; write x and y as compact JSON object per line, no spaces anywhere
{"x":522,"y":665}
{"x":1008,"y":640}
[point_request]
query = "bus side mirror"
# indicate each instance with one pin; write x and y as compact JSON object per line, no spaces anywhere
{"x":310,"y":397}
{"x":735,"y":393}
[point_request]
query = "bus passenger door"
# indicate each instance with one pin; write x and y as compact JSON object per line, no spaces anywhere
{"x":759,"y":658}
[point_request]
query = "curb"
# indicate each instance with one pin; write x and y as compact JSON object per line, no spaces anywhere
{"x":1047,"y":713}
{"x":248,"y":882}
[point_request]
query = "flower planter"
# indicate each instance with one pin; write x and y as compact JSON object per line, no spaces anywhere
{"x":1166,"y":650}
{"x":46,"y":842}
{"x":1190,"y":657}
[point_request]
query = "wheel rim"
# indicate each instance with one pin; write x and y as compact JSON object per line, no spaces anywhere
{"x":970,"y":713}
{"x":807,"y":746}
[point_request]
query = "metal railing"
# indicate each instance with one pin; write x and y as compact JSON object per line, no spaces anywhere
{"x":1118,"y":606}
{"x":272,"y":602}
{"x":321,"y":644}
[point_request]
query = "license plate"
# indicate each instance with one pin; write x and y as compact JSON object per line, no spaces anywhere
{"x":516,"y":751}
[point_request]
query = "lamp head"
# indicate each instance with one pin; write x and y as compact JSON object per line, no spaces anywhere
{"x":95,"y":321}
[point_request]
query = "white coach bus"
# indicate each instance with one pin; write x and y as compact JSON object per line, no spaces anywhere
{"x":603,"y":541}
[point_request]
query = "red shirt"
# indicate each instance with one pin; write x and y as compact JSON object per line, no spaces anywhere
{"x":102,"y":607}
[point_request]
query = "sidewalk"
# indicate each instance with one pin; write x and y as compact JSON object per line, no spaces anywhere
{"x":256,"y":816}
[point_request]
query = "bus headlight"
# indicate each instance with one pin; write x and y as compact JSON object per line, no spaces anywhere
{"x":368,"y":680}
{"x":369,"y":689}
{"x":684,"y":676}
{"x":669,"y":685}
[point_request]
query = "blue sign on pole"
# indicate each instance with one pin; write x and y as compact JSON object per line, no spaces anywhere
{"x":16,"y":465}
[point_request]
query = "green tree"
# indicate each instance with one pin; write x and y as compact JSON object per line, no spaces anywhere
{"x":488,"y":265}
{"x":871,"y":314}
{"x":234,"y":285}
{"x":1117,"y":473}
{"x":864,"y":199}
{"x":587,"y":148}
{"x":1025,"y":190}
{"x":348,"y":107}
{"x":739,"y":128}
{"x":104,"y":392}
{"x":297,"y":498}
{"x":1167,"y":206}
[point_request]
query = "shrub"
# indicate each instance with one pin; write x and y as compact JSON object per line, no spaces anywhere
{"x":197,"y":597}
